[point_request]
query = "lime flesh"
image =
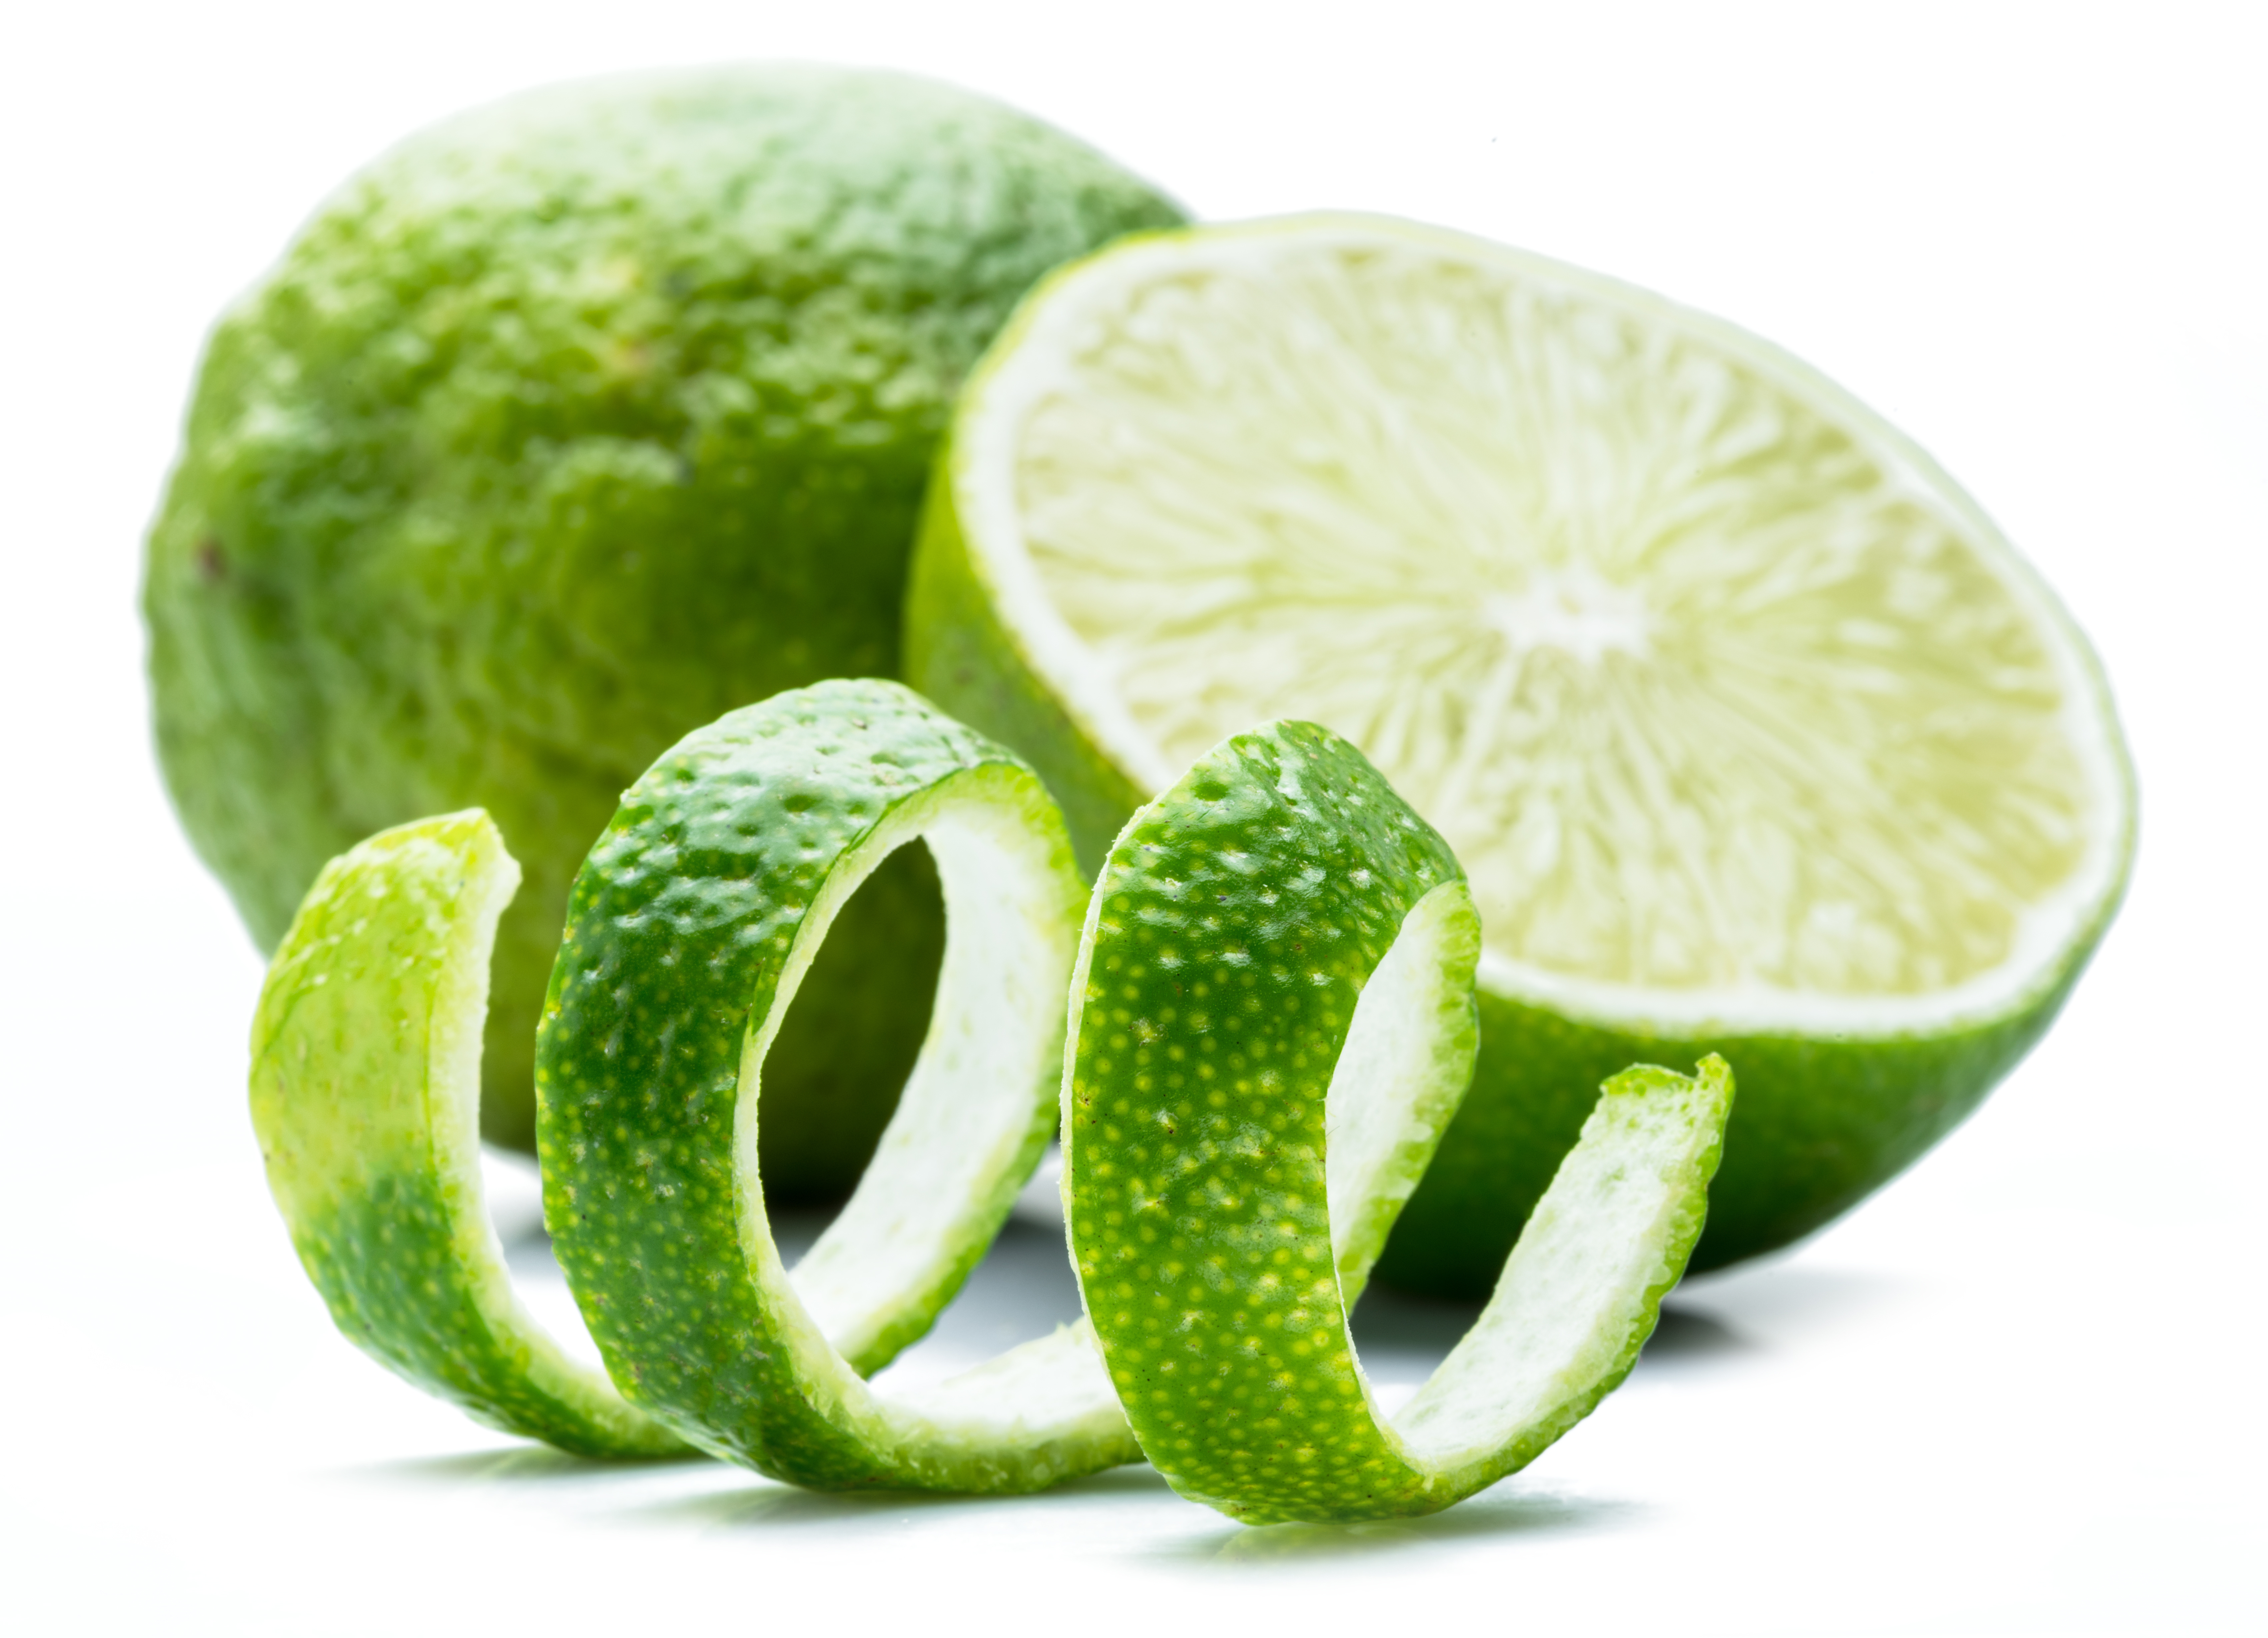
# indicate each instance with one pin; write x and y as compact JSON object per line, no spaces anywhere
{"x":1753,"y":733}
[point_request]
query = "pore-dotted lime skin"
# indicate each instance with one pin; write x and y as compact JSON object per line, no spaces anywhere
{"x":363,"y":1086}
{"x":1237,"y":922}
{"x":564,"y":428}
{"x":1820,"y":1124}
{"x":1234,"y":925}
{"x":684,"y":925}
{"x":1278,"y":925}
{"x":959,"y":652}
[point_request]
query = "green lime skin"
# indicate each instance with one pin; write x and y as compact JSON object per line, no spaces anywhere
{"x":1233,"y":928}
{"x":1820,"y":1124}
{"x":568,"y":426}
{"x":683,"y":934}
{"x":1237,"y":924}
{"x":1822,"y":1121}
{"x":364,"y":1085}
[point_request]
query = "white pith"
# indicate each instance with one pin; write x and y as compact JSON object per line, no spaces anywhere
{"x":1403,"y":1068}
{"x":947,"y":1164}
{"x":1590,"y":1266}
{"x":1724,"y":560}
{"x":453,"y":1095}
{"x":963,"y":1118}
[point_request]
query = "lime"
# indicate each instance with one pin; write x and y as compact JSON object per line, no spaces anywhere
{"x":565,"y":427}
{"x":1754,"y":734}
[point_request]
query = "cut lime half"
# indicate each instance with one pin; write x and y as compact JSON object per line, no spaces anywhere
{"x":1752,"y":731}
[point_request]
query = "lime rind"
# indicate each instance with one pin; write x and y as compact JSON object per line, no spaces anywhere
{"x":1582,"y":1290}
{"x":366,"y":1095}
{"x":1273,"y":1024}
{"x":690,"y":925}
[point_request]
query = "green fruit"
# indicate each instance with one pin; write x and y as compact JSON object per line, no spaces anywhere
{"x":1753,"y":733}
{"x":568,"y":426}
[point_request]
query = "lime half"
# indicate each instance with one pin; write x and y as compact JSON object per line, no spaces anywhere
{"x":1753,"y":733}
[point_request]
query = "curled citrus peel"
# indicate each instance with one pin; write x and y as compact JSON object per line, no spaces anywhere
{"x":365,"y":1093}
{"x":1270,"y":1022}
{"x":693,"y":920}
{"x":1276,"y":1022}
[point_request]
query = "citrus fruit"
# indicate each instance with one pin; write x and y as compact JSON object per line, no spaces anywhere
{"x":1754,"y":734}
{"x":565,"y":427}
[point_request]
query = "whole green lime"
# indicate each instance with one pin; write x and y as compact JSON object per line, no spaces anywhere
{"x":566,"y":427}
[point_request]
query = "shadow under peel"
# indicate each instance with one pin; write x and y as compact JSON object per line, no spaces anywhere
{"x":1484,"y":1518}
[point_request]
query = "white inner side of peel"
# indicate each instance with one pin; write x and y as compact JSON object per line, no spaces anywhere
{"x":1402,"y":1070}
{"x":1739,"y":712}
{"x":945,"y":1164}
{"x":962,"y":1118}
{"x":453,"y":1086}
{"x":1575,"y":1287}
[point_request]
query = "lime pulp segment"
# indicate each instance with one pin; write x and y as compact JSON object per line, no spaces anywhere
{"x":1738,"y":711}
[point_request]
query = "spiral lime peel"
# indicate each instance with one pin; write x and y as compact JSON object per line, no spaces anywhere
{"x":689,"y":929}
{"x":1272,"y":1022}
{"x":1275,"y":1024}
{"x":366,"y":1095}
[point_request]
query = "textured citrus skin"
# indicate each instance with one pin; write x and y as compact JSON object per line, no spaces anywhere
{"x":959,"y":652}
{"x":681,"y":927}
{"x":362,"y":1088}
{"x":1821,"y":1122}
{"x":1218,"y":991}
{"x":1231,"y":932}
{"x":1233,"y":929}
{"x":563,"y":428}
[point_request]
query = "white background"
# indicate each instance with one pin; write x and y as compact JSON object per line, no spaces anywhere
{"x":2018,"y":1392}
